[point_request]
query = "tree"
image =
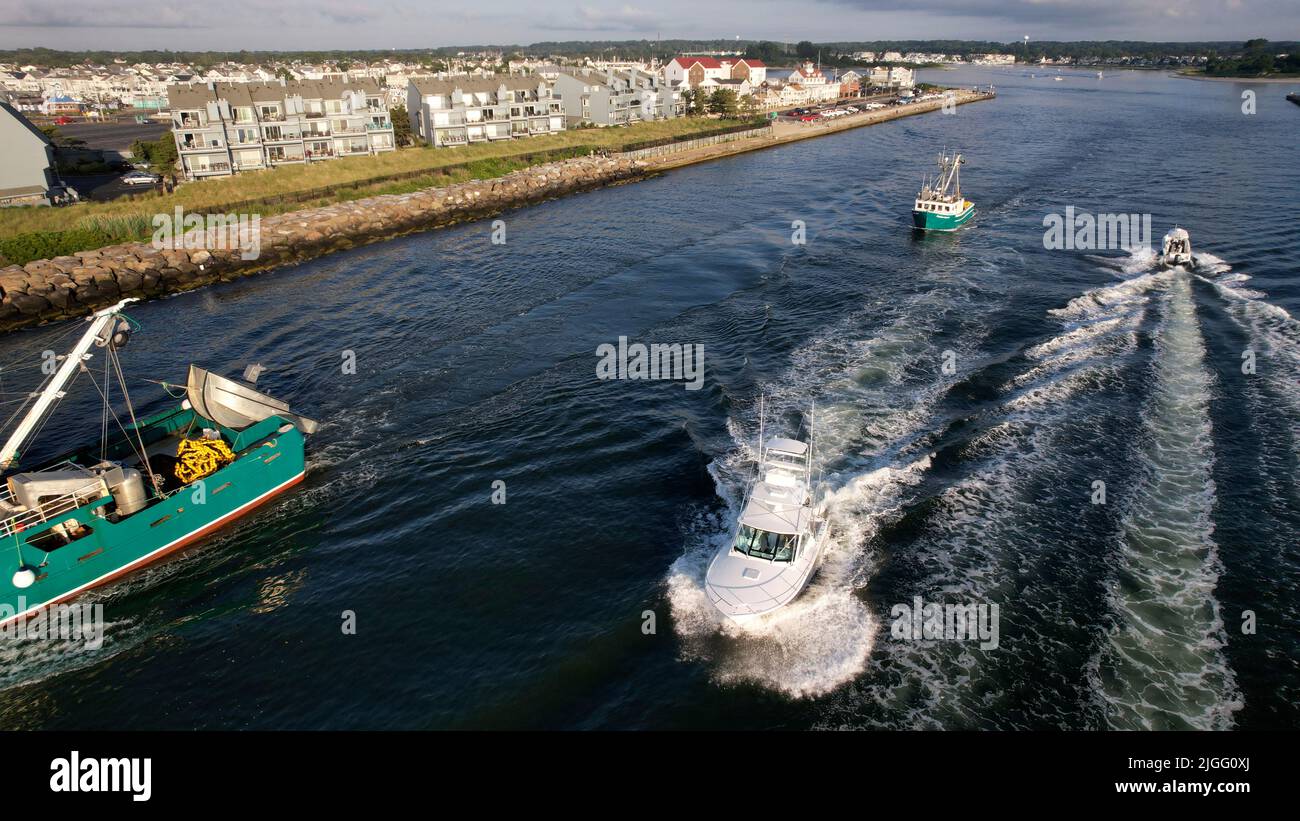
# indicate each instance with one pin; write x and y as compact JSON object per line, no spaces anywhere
{"x":160,"y":155}
{"x":691,"y":100}
{"x":767,"y":51}
{"x":724,"y":103}
{"x":748,"y":106}
{"x":805,"y":49}
{"x":401,"y":126}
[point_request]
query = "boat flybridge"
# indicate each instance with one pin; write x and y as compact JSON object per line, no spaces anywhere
{"x":779,"y":537}
{"x":1176,"y":248}
{"x":155,"y":485}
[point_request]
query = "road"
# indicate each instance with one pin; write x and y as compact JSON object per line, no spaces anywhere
{"x":113,"y":136}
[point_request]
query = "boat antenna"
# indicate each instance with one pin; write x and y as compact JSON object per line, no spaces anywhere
{"x":761,"y":397}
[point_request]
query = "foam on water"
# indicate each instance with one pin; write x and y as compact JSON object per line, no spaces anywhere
{"x":866,"y":407}
{"x":824,"y":637}
{"x":1274,"y":338}
{"x":981,"y":532}
{"x":1112,"y":298}
{"x":1162,"y":665}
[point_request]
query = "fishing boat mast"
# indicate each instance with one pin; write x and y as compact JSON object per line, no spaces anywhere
{"x":99,"y":333}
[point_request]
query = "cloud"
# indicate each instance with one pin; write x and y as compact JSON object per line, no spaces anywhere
{"x":182,"y":14}
{"x":1089,"y":19}
{"x":626,"y":18}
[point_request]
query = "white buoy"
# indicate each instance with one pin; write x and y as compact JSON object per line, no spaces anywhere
{"x":25,"y":577}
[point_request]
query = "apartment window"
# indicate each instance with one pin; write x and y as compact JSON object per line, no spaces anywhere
{"x":269,"y":112}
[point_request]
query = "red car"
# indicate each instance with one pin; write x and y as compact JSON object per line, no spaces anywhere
{"x":63,"y":121}
{"x":809,"y":118}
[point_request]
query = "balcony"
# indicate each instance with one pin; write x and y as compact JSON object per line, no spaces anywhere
{"x":211,"y":168}
{"x":379,"y":126}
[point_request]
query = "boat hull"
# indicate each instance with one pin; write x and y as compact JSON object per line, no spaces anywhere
{"x":929,"y":221}
{"x":270,"y":462}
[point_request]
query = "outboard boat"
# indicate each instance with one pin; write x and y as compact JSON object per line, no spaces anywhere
{"x":1176,"y":249}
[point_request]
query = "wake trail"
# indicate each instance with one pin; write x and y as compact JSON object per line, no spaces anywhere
{"x":1162,"y":665}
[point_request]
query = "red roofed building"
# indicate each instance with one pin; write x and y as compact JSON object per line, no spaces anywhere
{"x":692,"y":71}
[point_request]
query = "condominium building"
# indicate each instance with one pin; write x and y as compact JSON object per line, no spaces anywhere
{"x":613,"y":97}
{"x":224,"y":128}
{"x":460,"y":110}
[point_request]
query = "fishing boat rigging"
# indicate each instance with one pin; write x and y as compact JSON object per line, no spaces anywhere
{"x":232,"y":446}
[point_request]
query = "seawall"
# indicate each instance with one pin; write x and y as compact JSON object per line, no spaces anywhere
{"x":52,"y":289}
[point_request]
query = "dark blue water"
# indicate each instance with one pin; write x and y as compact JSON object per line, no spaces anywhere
{"x":476,"y":364}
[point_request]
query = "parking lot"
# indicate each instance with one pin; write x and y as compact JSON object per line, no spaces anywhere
{"x":841,"y":108}
{"x":104,"y":187}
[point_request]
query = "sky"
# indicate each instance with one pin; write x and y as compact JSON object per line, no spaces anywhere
{"x":376,"y":24}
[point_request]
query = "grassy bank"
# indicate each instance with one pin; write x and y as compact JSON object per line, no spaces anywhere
{"x":37,"y":233}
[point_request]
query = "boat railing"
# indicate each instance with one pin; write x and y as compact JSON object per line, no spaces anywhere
{"x":52,"y":508}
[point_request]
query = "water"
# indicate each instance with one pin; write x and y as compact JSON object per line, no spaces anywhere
{"x":476,"y":363}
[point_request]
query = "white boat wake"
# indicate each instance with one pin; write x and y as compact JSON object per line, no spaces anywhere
{"x":1162,"y":666}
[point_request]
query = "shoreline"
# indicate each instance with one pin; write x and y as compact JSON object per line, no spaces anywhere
{"x":52,"y":290}
{"x":1279,"y":80}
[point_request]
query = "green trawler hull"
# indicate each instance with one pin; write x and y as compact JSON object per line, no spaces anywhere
{"x":99,"y":544}
{"x":930,"y":221}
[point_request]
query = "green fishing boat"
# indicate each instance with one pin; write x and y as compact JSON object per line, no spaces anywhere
{"x":940,"y":206}
{"x":99,"y":512}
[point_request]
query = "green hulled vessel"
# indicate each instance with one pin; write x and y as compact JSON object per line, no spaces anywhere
{"x":940,"y":206}
{"x":106,"y":509}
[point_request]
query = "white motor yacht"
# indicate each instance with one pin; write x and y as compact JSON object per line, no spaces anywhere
{"x":779,"y":537}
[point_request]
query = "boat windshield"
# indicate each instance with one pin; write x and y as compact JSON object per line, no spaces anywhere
{"x":760,"y":544}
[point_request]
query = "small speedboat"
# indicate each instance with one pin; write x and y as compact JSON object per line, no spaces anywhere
{"x":1176,"y":249}
{"x":779,"y":537}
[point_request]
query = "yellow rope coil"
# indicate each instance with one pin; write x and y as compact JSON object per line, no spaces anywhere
{"x":196,"y":458}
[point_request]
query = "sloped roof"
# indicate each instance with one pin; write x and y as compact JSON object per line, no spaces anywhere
{"x":23,"y":121}
{"x":433,"y":85}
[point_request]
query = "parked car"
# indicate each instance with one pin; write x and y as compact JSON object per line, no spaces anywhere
{"x":63,"y":121}
{"x":141,"y":178}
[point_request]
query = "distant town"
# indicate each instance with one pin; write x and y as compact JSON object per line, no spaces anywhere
{"x":163,"y":118}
